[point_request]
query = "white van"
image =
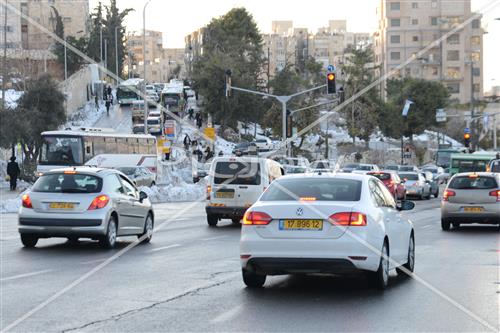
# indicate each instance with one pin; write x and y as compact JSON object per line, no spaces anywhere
{"x":235,"y":183}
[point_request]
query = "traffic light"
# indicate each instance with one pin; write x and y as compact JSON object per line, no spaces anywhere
{"x":330,"y":83}
{"x":289,"y":124}
{"x":467,"y":140}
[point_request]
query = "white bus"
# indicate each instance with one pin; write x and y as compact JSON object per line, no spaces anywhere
{"x":74,"y":147}
{"x":127,"y":91}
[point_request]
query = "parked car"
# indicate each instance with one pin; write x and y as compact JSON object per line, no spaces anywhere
{"x":392,"y":181}
{"x":364,"y":168}
{"x":349,"y":167}
{"x":314,"y":223}
{"x":245,"y":148}
{"x":434,"y":184}
{"x":408,"y":168}
{"x":264,"y":144}
{"x":138,"y":129}
{"x":155,"y":113}
{"x":200,"y":171}
{"x":85,"y":202}
{"x":235,"y":183}
{"x":290,"y":169}
{"x":141,"y":176}
{"x":154,"y":125}
{"x":471,"y":198}
{"x":415,"y":185}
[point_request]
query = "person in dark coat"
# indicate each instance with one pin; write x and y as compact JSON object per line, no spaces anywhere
{"x":108,"y":104}
{"x":13,"y":171}
{"x":187,"y":142}
{"x":109,"y":92}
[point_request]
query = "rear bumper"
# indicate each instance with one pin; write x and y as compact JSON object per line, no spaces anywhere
{"x":226,"y":212}
{"x":280,"y":266}
{"x":452,"y":212}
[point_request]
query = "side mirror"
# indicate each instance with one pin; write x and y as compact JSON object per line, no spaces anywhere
{"x":406,"y":205}
{"x":142,"y":196}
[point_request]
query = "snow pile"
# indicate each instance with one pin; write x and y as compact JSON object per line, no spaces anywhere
{"x":11,"y":97}
{"x":172,"y":193}
{"x":87,"y":116}
{"x":223,"y":145}
{"x":11,"y":205}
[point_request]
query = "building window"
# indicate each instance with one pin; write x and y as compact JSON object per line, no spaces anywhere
{"x":395,"y":55}
{"x":476,"y":71}
{"x":434,"y":21}
{"x":475,"y":56}
{"x":476,"y":87}
{"x":395,"y":5}
{"x":414,"y":22}
{"x":453,"y":55}
{"x":475,"y":40}
{"x":395,"y":39}
{"x":415,"y":38}
{"x":414,"y":5}
{"x":434,"y":4}
{"x":395,"y":22}
{"x":453,"y":88}
{"x":453,"y":39}
{"x":453,"y":72}
{"x":475,"y":24}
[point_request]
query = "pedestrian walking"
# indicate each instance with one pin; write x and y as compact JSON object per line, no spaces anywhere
{"x":110,"y":92}
{"x":199,"y":151}
{"x":190,"y":113}
{"x":104,"y":93}
{"x":13,"y":171}
{"x":187,"y":142}
{"x":208,"y":153}
{"x":96,"y":102}
{"x":108,"y":105}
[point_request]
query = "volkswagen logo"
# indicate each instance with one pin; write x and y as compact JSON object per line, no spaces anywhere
{"x":299,"y":211}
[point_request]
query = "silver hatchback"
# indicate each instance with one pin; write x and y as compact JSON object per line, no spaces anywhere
{"x":85,"y":202}
{"x":471,"y":198}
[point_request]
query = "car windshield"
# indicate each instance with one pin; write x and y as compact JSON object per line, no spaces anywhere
{"x":495,"y":166}
{"x":473,"y":183}
{"x":408,"y":176}
{"x":296,"y":170}
{"x":127,"y":171}
{"x":153,"y":121}
{"x":68,"y":183}
{"x":237,"y":173}
{"x":315,"y":189}
{"x":381,"y":176}
{"x":62,"y":150}
{"x":320,"y":165}
{"x":351,"y":165}
{"x":364,"y":167}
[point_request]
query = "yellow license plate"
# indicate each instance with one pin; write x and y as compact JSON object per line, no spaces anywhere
{"x":473,"y":209}
{"x":61,"y":205}
{"x":301,"y":224}
{"x":224,"y":195}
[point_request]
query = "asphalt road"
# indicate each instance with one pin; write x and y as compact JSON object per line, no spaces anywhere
{"x":188,"y":279}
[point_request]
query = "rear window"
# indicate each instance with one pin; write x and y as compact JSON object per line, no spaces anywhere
{"x":318,"y":189}
{"x":68,"y":183}
{"x":321,"y":165}
{"x":237,"y":173}
{"x":381,"y":176}
{"x":364,"y":167}
{"x":408,"y":176}
{"x":473,"y":183}
{"x":406,"y":168}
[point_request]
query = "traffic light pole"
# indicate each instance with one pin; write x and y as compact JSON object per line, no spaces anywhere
{"x":283,"y":100}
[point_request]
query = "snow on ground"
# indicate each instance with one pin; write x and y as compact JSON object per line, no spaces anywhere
{"x":87,"y":116}
{"x":11,"y":97}
{"x":12,"y":205}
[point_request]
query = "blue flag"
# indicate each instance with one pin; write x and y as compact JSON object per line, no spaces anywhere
{"x":406,"y":108}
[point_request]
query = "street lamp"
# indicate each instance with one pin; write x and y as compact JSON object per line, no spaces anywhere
{"x":144,"y":66}
{"x":116,"y":54}
{"x":65,"y":56}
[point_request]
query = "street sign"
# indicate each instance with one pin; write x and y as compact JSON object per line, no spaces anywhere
{"x":440,"y":115}
{"x":466,"y":130}
{"x":330,"y":68}
{"x":210,"y":132}
{"x":169,"y":129}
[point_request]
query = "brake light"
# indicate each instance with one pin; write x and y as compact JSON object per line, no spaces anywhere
{"x":307,"y":199}
{"x":26,"y":201}
{"x":256,"y":218}
{"x":99,"y":202}
{"x":209,"y":189}
{"x":348,"y":219}
{"x":447,"y":194}
{"x":495,"y":193}
{"x":70,"y":172}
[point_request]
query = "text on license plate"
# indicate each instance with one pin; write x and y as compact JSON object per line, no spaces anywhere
{"x":61,"y":205}
{"x":301,"y":224}
{"x":228,"y":195}
{"x":473,"y":209}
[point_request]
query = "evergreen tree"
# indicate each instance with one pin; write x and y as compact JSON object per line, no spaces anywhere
{"x":94,"y":44}
{"x":58,"y":47}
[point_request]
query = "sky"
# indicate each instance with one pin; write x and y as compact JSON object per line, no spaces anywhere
{"x":176,"y":19}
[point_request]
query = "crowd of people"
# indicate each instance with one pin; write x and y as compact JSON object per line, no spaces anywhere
{"x":198,"y":148}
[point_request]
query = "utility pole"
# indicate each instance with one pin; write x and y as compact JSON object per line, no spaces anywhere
{"x":65,"y":60}
{"x":4,"y":58}
{"x":117,"y":73}
{"x":268,"y":69}
{"x":106,"y":53}
{"x":144,"y":67}
{"x":472,"y":103}
{"x":100,"y":38}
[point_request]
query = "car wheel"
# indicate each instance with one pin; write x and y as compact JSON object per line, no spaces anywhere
{"x":109,"y":241}
{"x":436,"y":194}
{"x":456,"y":225}
{"x":236,"y":220}
{"x":147,"y":233}
{"x":212,"y":220}
{"x":380,"y":278}
{"x":410,"y":263}
{"x":29,"y":240}
{"x":253,"y":280}
{"x":445,"y":225}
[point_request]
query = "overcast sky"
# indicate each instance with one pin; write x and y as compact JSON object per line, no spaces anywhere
{"x":177,"y":18}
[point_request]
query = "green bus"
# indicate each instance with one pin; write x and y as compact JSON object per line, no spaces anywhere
{"x":476,"y":162}
{"x":443,"y":156}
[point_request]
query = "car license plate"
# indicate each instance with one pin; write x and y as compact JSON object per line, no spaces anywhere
{"x":473,"y":209}
{"x":224,"y":195}
{"x":61,"y":205}
{"x":301,"y":224}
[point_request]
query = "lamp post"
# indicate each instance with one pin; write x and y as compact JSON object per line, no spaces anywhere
{"x":144,"y":66}
{"x":116,"y":54}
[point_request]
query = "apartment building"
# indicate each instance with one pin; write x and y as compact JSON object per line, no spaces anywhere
{"x":12,"y":26}
{"x":407,"y":27}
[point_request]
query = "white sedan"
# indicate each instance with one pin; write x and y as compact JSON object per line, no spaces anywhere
{"x":327,"y":223}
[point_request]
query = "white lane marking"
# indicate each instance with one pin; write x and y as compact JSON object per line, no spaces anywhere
{"x":165,"y":247}
{"x":426,"y":226}
{"x":226,"y":316}
{"x":15,"y":277}
{"x":213,"y":238}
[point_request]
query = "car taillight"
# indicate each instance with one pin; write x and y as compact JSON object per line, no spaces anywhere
{"x":209,"y":189}
{"x":99,"y":202}
{"x":348,"y":219}
{"x":495,"y":193}
{"x":447,"y":194}
{"x":26,"y":201}
{"x":256,"y":218}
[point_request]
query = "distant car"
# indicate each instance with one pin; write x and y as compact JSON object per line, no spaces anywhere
{"x":408,"y":168}
{"x":200,"y":171}
{"x":159,"y":87}
{"x":393,"y":167}
{"x":190,"y":93}
{"x":364,"y":168}
{"x":494,"y":165}
{"x":155,"y":113}
{"x":392,"y":181}
{"x":154,"y":125}
{"x":245,"y":148}
{"x":289,"y":169}
{"x":330,"y":223}
{"x":85,"y":202}
{"x":152,"y":98}
{"x":138,"y":129}
{"x":434,"y":184}
{"x":437,"y":173}
{"x":471,"y":198}
{"x":264,"y":144}
{"x":138,"y":110}
{"x":141,"y":176}
{"x":416,"y":185}
{"x":150,"y":88}
{"x":349,"y":167}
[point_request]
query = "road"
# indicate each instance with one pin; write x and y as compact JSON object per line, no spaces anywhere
{"x":188,"y":279}
{"x":119,"y":118}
